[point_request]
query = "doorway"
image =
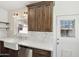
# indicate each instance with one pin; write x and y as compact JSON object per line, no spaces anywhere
{"x":67,"y":37}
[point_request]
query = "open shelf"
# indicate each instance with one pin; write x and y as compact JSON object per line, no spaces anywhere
{"x":4,"y":22}
{"x":6,"y":26}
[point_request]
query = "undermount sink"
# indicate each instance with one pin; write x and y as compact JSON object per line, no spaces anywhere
{"x":12,"y":44}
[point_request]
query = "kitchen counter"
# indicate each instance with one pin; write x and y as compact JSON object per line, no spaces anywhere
{"x":37,"y":44}
{"x":30,"y":43}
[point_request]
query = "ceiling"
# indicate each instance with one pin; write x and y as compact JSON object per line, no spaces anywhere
{"x":14,"y":5}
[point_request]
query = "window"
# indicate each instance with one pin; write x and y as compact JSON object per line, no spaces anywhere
{"x":67,"y":28}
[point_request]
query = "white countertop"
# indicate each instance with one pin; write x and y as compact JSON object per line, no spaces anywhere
{"x":30,"y":43}
{"x":37,"y":44}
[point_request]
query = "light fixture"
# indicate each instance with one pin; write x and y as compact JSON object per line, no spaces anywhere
{"x":25,"y":13}
{"x":16,"y":14}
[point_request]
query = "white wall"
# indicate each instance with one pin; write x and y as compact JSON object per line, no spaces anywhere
{"x":66,"y":7}
{"x":4,"y":18}
{"x":3,"y":15}
{"x":14,"y":20}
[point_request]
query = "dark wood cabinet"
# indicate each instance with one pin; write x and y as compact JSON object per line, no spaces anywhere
{"x":1,"y":46}
{"x":6,"y":52}
{"x":31,"y":21}
{"x":40,"y":16}
{"x":9,"y":52}
{"x":13,"y":53}
{"x":22,"y":52}
{"x":47,"y":17}
{"x":41,"y":53}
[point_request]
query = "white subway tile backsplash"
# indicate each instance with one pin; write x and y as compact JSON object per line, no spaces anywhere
{"x":39,"y":36}
{"x":3,"y":33}
{"x":2,"y":25}
{"x":42,"y":36}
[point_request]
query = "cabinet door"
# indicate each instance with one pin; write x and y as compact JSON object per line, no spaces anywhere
{"x":31,"y":19}
{"x":9,"y":52}
{"x":41,"y":53}
{"x":47,"y":20}
{"x":39,"y":18}
{"x":0,"y":47}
